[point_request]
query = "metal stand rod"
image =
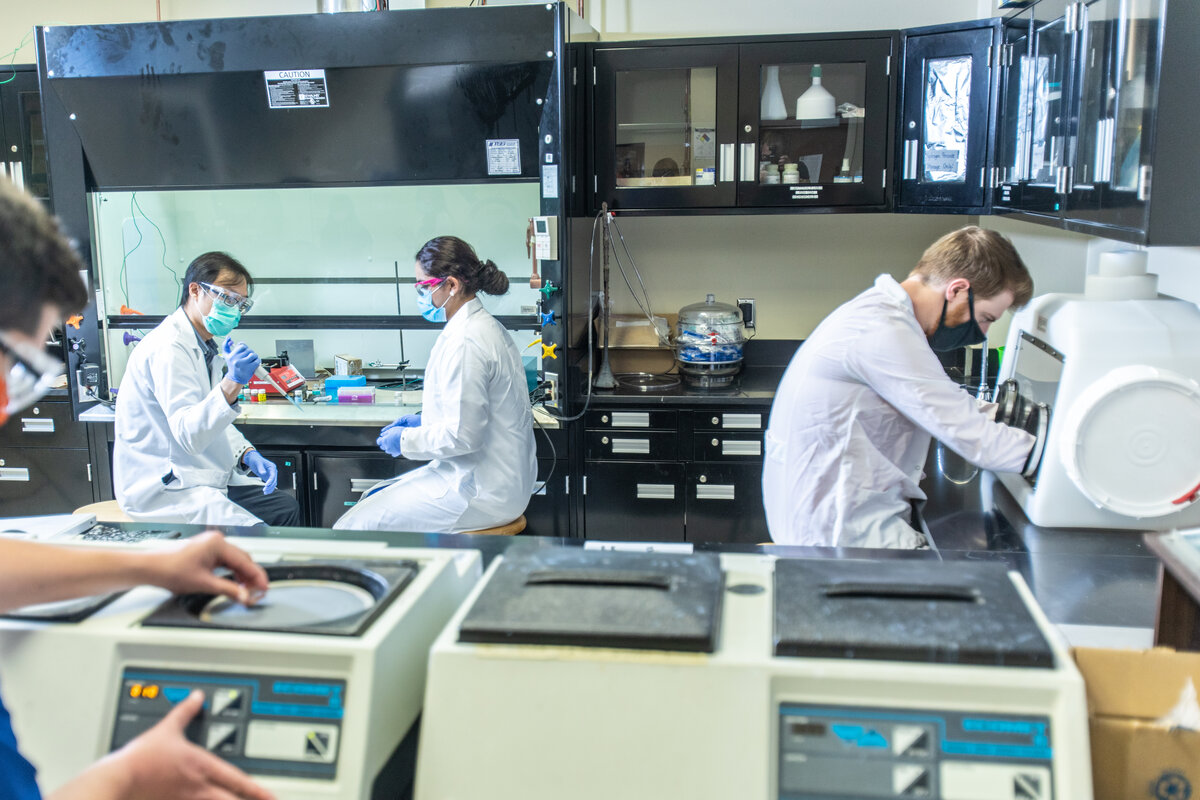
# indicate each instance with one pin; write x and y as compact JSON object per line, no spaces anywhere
{"x":604,"y":378}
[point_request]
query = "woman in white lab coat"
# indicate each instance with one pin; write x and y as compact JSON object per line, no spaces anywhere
{"x":476,"y":425}
{"x":177,"y":456}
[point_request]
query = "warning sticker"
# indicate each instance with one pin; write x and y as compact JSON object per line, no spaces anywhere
{"x":504,"y":156}
{"x":297,"y":88}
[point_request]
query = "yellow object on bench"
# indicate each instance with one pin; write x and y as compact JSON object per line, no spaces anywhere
{"x":105,"y":511}
{"x":511,"y":529}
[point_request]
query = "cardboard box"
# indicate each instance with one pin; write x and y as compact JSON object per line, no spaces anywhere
{"x":1132,"y":757}
{"x":347,"y":365}
{"x":633,"y":343}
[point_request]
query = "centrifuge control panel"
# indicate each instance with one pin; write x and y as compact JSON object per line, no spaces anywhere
{"x":832,"y":751}
{"x":264,"y":724}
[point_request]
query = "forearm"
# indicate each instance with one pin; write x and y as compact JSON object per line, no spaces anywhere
{"x":104,"y":780}
{"x":231,"y":390}
{"x":33,"y":573}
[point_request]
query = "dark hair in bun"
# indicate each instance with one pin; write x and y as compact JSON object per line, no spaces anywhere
{"x":451,"y":257}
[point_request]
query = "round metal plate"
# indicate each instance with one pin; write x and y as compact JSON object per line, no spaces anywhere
{"x":646,"y":381}
{"x":291,"y":604}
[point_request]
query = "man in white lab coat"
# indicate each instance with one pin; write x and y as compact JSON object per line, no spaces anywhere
{"x":476,"y":426}
{"x":851,"y":423}
{"x":178,"y":457}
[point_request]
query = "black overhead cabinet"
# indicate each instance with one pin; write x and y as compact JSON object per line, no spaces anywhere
{"x":800,"y":123}
{"x":947,"y":118}
{"x":1098,"y":105}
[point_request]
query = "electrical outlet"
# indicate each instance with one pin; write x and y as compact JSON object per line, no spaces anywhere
{"x":551,"y":397}
{"x":749,"y":316}
{"x":87,"y":377}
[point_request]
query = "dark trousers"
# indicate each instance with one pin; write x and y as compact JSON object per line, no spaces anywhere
{"x":277,"y":509}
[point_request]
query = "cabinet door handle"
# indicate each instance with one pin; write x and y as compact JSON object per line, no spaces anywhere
{"x":656,"y":491}
{"x":635,"y":446}
{"x":14,"y":474}
{"x":17,"y":170}
{"x":31,"y":425}
{"x":741,"y":421}
{"x":294,"y":488}
{"x":631,"y":419}
{"x":741,"y":447}
{"x":725,"y":165}
{"x":749,"y":167}
{"x":911,"y":153}
{"x":715,"y":491}
{"x":1145,"y":174}
{"x":358,"y":485}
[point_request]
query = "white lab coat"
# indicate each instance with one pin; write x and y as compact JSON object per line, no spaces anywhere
{"x":476,"y":432}
{"x":172,"y":418}
{"x":850,"y":428}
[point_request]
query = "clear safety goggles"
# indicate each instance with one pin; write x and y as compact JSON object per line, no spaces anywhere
{"x":31,"y":374}
{"x":229,"y":299}
{"x":427,"y":286}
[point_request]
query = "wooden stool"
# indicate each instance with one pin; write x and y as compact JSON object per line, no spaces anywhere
{"x":511,"y":529}
{"x":105,"y":511}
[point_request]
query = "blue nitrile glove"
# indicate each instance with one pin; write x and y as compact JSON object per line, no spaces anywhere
{"x":407,"y":421}
{"x":389,"y":440}
{"x":262,"y":468}
{"x":242,"y":361}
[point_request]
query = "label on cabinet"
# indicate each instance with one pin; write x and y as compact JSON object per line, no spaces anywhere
{"x":504,"y":156}
{"x":297,"y":88}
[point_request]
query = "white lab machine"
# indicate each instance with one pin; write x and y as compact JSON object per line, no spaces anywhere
{"x":1118,"y":367}
{"x":590,"y":675}
{"x":311,"y":692}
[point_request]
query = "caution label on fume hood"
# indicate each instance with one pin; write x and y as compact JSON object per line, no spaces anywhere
{"x":297,"y":88}
{"x":504,"y":156}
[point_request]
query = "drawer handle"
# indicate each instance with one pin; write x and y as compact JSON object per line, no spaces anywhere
{"x":14,"y":474}
{"x":31,"y":425}
{"x":362,"y":484}
{"x":715,"y":491}
{"x":638,"y":446}
{"x":656,"y":491}
{"x":741,"y":447}
{"x":631,"y":419}
{"x":741,"y":421}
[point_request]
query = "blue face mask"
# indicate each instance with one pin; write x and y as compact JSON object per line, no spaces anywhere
{"x":428,"y":310}
{"x":954,"y":337}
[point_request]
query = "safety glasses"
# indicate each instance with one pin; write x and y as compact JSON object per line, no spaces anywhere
{"x":228,"y":299}
{"x":427,"y":286}
{"x":31,"y":374}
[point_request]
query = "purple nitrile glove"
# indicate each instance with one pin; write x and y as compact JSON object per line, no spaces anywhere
{"x":407,"y":421}
{"x":389,"y":441}
{"x":262,"y":468}
{"x":242,"y":361}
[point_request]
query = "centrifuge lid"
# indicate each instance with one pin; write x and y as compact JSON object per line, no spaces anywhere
{"x":1131,"y":441}
{"x":333,"y":598}
{"x":923,"y":611}
{"x":588,"y":598}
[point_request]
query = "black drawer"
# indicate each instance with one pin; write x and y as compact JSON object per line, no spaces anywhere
{"x":339,"y":480}
{"x":633,"y":501}
{"x":724,"y":504}
{"x":44,"y":424}
{"x":626,"y":419}
{"x":722,"y":446}
{"x":731,"y":421}
{"x":43,"y":480}
{"x":631,"y":445}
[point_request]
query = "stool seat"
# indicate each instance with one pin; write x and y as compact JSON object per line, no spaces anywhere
{"x":105,"y":511}
{"x":511,"y":529}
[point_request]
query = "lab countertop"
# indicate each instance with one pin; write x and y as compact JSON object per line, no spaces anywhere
{"x":281,"y":412}
{"x":754,"y":385}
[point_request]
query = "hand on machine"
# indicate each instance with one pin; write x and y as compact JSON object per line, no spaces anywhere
{"x":389,"y":436}
{"x":1015,"y":410}
{"x":263,"y":469}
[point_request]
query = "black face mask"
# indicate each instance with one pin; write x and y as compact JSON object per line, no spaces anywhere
{"x":947,"y":338}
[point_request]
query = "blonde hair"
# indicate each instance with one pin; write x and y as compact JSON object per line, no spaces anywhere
{"x":984,"y":258}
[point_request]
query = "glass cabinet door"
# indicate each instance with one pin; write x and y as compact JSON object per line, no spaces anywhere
{"x":664,"y":126}
{"x":946,"y":118}
{"x":24,"y":144}
{"x":1049,"y":84}
{"x":1120,"y":43}
{"x":1013,"y":124}
{"x":814,"y":123}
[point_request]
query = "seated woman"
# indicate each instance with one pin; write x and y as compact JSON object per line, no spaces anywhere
{"x":476,"y":424}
